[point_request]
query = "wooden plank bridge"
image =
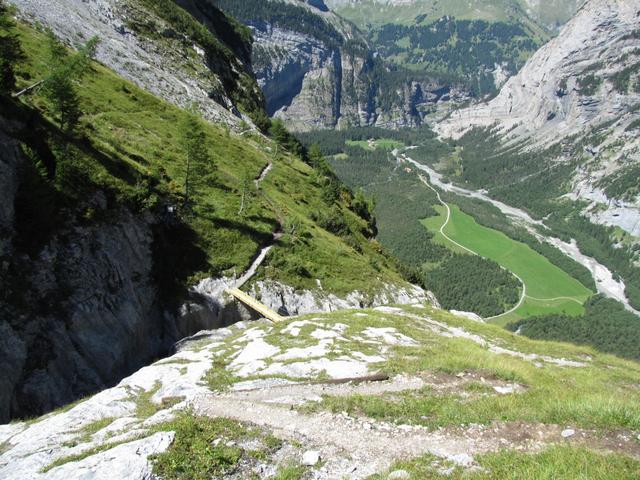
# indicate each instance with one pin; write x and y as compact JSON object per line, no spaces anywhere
{"x":254,"y":304}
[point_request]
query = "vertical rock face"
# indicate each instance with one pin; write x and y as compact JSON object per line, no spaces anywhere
{"x":552,"y":95}
{"x":9,"y":163}
{"x":310,"y":85}
{"x":79,"y":315}
{"x":317,"y":71}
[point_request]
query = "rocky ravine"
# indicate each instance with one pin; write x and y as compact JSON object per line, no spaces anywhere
{"x":580,"y":89}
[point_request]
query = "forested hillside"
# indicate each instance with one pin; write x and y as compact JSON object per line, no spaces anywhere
{"x":479,"y":54}
{"x":462,"y":282}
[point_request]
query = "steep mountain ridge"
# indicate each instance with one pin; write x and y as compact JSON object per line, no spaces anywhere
{"x":147,"y":48}
{"x":580,"y":91}
{"x":318,"y":71}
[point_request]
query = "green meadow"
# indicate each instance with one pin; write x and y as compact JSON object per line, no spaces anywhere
{"x":380,"y":143}
{"x":549,"y":289}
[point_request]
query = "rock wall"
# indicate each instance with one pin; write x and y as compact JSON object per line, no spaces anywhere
{"x":83,"y":310}
{"x":288,"y":301}
{"x":580,"y":90}
{"x":79,"y":315}
{"x":312,"y":85}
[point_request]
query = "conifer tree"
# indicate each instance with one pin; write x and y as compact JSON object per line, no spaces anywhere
{"x":200,"y":167}
{"x":60,"y":85}
{"x":10,"y":51}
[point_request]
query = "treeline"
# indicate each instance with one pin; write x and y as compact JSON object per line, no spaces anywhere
{"x":334,"y":190}
{"x":401,"y":202}
{"x":598,"y":241}
{"x":333,"y":142}
{"x":284,"y":15}
{"x":473,"y":284}
{"x":606,"y":326}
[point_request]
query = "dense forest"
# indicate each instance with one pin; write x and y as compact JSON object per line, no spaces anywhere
{"x":473,"y":284}
{"x":606,"y":325}
{"x":469,"y":50}
{"x":284,"y":15}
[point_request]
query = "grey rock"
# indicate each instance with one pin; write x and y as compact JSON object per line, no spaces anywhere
{"x":310,"y":458}
{"x":125,"y":462}
{"x":289,"y":301}
{"x":312,"y":85}
{"x":10,"y":160}
{"x":161,"y":68}
{"x":547,"y":103}
{"x":399,"y":475}
{"x":462,"y":459}
{"x":567,"y":433}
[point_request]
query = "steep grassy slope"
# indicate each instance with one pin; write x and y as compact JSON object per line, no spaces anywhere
{"x":130,"y":144}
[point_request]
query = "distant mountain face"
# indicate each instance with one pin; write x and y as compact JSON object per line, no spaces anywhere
{"x":328,"y":64}
{"x":579,"y":95}
{"x":374,"y":13}
{"x":319,"y":71}
{"x":480,"y":43}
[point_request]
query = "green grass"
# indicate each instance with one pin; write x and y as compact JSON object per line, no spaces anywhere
{"x":134,"y":138}
{"x":206,"y":448}
{"x":601,"y":395}
{"x":194,"y":455}
{"x":380,"y":143}
{"x":554,"y":463}
{"x":545,"y":282}
{"x":290,"y":472}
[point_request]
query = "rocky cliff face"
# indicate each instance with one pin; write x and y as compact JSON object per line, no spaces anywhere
{"x":582,"y":89}
{"x":80,"y":314}
{"x":328,"y":76}
{"x":143,"y":47}
{"x":287,"y":301}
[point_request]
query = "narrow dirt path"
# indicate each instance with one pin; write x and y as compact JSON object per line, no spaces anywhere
{"x":555,"y":299}
{"x":262,"y":255}
{"x":351,"y":447}
{"x":357,"y":447}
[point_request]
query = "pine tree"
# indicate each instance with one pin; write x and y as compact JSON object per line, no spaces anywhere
{"x":200,"y":168}
{"x":65,"y":69}
{"x":10,"y":51}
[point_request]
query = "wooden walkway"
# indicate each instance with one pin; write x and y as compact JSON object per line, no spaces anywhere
{"x":252,"y":303}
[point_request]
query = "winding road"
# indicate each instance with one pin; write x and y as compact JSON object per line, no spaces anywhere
{"x":523,"y":296}
{"x":606,"y":283}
